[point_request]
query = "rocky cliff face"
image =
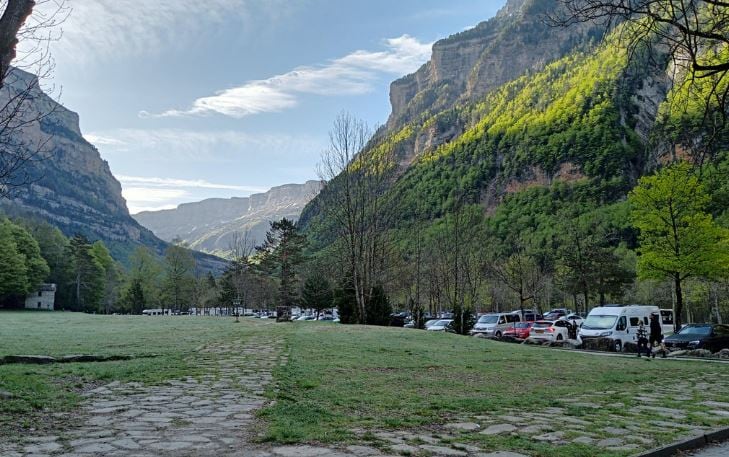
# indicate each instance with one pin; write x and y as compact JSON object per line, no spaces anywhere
{"x":209,"y":225}
{"x":466,"y":66}
{"x":71,"y":185}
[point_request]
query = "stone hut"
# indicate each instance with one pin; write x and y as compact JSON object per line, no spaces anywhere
{"x":43,"y":298}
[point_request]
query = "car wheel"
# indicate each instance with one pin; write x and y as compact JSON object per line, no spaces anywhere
{"x":498,"y":335}
{"x":559,"y":337}
{"x":618,"y":346}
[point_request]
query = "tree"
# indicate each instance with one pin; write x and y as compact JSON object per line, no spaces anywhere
{"x":15,"y":14}
{"x":13,"y":277}
{"x":678,"y":239}
{"x":112,"y":275}
{"x":317,"y":293}
{"x":88,"y":275}
{"x":380,"y":309}
{"x":281,"y":253}
{"x":134,"y":297}
{"x":520,"y":273}
{"x":587,"y":255}
{"x":354,"y":195}
{"x":35,"y":266}
{"x":54,"y":248}
{"x":146,"y":269}
{"x":178,"y":267}
{"x":345,"y":300}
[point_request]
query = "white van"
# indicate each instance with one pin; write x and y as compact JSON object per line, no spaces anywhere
{"x":494,"y":324}
{"x":618,"y":322}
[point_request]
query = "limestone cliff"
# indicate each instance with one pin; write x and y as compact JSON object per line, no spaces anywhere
{"x":209,"y":225}
{"x":71,"y":186}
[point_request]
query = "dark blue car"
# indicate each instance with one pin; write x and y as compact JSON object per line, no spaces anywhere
{"x":713,"y":337}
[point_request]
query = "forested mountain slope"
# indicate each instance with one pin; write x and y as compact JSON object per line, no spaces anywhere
{"x":580,"y":115}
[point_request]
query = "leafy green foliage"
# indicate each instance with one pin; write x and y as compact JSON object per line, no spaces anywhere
{"x":678,"y":238}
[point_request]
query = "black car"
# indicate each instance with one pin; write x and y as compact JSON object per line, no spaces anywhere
{"x":712,"y":337}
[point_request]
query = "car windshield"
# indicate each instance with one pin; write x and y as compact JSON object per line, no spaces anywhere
{"x":543,"y":324}
{"x":488,"y":319}
{"x":599,"y":322}
{"x":522,"y":324}
{"x":442,"y":323}
{"x":695,"y":330}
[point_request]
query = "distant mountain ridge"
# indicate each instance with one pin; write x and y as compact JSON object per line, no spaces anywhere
{"x":72,"y":186}
{"x":210,"y":224}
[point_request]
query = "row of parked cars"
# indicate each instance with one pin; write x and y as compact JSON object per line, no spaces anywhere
{"x":618,"y":323}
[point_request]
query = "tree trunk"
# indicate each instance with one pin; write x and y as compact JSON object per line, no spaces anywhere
{"x":16,"y":12}
{"x":679,"y":303}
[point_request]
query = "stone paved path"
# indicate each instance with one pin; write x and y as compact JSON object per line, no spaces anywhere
{"x":210,"y":416}
{"x":213,"y":416}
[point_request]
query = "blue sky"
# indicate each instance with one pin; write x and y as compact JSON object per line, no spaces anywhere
{"x":190,"y":99}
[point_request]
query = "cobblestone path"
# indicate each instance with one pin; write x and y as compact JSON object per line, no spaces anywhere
{"x":210,"y":416}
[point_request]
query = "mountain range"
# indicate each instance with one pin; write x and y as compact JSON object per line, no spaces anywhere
{"x":211,"y":225}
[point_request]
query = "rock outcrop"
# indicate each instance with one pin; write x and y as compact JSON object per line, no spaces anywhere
{"x":466,"y":66}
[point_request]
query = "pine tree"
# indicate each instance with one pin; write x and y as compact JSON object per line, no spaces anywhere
{"x":281,"y":253}
{"x":317,"y":293}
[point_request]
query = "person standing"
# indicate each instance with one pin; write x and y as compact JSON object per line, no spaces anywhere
{"x":642,"y":336}
{"x":656,"y":336}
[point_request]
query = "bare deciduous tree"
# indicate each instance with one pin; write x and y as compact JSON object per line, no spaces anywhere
{"x":354,"y":195}
{"x":521,"y":274}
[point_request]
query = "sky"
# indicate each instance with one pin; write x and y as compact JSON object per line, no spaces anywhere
{"x":190,"y":99}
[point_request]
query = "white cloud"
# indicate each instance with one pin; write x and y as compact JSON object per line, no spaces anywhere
{"x":101,"y":29}
{"x":352,"y":74}
{"x":198,"y":145}
{"x":144,"y":193}
{"x":156,"y":183}
{"x":151,"y":198}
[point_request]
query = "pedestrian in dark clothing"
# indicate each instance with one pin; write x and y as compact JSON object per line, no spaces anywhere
{"x":656,"y":336}
{"x":643,"y":340}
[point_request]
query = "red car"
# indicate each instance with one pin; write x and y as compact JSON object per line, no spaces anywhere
{"x":519,"y":330}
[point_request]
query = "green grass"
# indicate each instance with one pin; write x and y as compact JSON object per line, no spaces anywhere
{"x":162,"y":348}
{"x":341,"y":378}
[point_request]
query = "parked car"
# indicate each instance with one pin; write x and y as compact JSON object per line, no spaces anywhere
{"x":442,"y":325}
{"x":494,"y":324}
{"x":306,"y":318}
{"x":556,"y":313}
{"x":430,"y":323}
{"x":399,"y":319}
{"x":713,"y":337}
{"x":619,"y":323}
{"x":549,"y":330}
{"x":520,"y":330}
{"x":576,"y":319}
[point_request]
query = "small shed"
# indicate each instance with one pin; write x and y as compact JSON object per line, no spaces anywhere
{"x":44,"y":298}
